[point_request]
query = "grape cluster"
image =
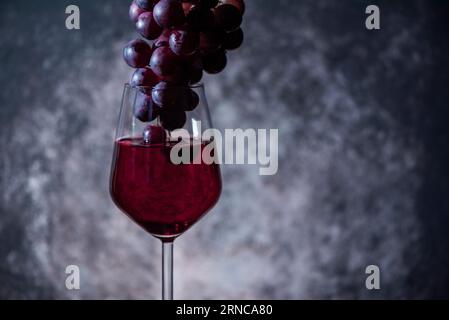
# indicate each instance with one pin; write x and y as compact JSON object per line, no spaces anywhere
{"x":188,"y":37}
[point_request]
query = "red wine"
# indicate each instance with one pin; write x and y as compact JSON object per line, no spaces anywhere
{"x":163,"y":198}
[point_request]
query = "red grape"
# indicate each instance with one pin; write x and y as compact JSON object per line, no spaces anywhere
{"x":228,"y":17}
{"x":137,"y":53}
{"x":147,"y":26}
{"x":166,"y":64}
{"x":192,"y":100}
{"x":200,"y":18}
{"x":210,"y":41}
{"x":172,"y":120}
{"x":186,"y":7}
{"x":168,"y":96}
{"x":239,"y":4}
{"x":191,"y":2}
{"x":147,"y":5}
{"x":169,"y":13}
{"x":195,"y":68}
{"x":135,"y":11}
{"x":144,"y":77}
{"x":144,"y":108}
{"x":196,"y":74}
{"x":208,"y":3}
{"x":215,"y":62}
{"x":233,"y":40}
{"x":184,"y":43}
{"x":190,"y":36}
{"x":154,"y":134}
{"x":162,"y":41}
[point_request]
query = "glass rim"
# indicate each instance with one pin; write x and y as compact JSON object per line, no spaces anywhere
{"x":199,"y":85}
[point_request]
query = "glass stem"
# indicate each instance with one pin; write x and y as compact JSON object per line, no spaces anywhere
{"x":167,"y":270}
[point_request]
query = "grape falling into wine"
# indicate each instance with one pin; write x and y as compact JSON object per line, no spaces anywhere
{"x":179,"y":41}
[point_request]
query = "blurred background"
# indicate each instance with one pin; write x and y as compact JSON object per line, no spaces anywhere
{"x":363,"y":176}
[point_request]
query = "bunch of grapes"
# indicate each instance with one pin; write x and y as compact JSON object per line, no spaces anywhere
{"x":189,"y":37}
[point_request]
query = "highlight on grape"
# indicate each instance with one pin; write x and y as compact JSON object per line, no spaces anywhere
{"x":180,"y":40}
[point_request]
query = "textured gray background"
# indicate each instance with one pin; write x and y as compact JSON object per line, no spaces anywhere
{"x":363,"y":173}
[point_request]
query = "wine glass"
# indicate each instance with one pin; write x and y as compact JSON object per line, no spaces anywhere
{"x":162,"y":197}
